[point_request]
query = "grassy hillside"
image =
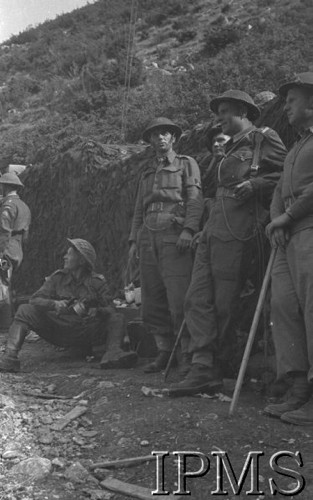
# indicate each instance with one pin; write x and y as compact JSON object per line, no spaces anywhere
{"x":66,"y":78}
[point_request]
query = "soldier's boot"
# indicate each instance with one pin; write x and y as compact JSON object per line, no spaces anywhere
{"x":200,"y":378}
{"x":159,"y":363}
{"x":115,"y":356}
{"x":302,"y":416}
{"x":9,"y":361}
{"x":185,"y":364}
{"x":299,"y":394}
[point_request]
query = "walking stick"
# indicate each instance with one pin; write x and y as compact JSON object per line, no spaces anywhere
{"x":169,"y":363}
{"x":252,"y":332}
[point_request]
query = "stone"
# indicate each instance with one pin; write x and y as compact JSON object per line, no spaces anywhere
{"x":31,"y":469}
{"x":76,"y":473}
{"x":105,"y":384}
{"x":45,"y":437}
{"x":144,"y":442}
{"x":58,"y":463}
{"x":88,"y":434}
{"x":46,"y":420}
{"x":11,"y":452}
{"x":51,"y":388}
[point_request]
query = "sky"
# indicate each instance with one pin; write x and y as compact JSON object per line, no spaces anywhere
{"x":17,"y":15}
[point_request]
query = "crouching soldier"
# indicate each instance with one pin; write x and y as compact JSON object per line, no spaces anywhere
{"x":71,"y":309}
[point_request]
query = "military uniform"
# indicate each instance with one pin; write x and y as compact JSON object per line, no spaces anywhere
{"x":68,"y":328}
{"x":72,"y":308}
{"x":169,"y":200}
{"x":292,"y":277}
{"x":229,"y":243}
{"x":15,"y":220}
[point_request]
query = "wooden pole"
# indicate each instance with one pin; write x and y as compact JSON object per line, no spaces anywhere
{"x":252,"y":332}
{"x":169,"y":363}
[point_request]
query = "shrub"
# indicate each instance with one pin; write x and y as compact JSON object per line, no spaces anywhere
{"x":217,"y":39}
{"x":186,"y":35}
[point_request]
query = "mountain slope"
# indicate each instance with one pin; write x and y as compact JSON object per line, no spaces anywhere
{"x":66,"y":78}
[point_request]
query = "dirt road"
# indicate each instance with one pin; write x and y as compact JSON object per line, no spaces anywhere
{"x":119,"y":421}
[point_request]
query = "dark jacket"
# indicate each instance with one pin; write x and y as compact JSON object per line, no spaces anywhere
{"x":231,"y":218}
{"x":61,"y":285}
{"x":176,"y":184}
{"x":294,"y":192}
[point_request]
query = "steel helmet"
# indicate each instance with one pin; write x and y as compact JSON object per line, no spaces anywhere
{"x":165,"y":123}
{"x":240,"y":97}
{"x":11,"y":178}
{"x":304,"y":80}
{"x":85,"y":249}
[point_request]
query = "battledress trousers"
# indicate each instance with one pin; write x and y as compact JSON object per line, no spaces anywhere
{"x":229,"y":249}
{"x":169,"y":199}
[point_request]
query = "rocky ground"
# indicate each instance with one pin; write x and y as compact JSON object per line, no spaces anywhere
{"x":43,"y":458}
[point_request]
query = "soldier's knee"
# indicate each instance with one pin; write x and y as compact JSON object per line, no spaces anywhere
{"x":23,"y":312}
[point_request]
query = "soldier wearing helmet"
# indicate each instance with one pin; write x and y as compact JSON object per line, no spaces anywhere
{"x":291,"y":232}
{"x":168,"y":208}
{"x":71,"y":309}
{"x":15,"y":220}
{"x":228,"y":248}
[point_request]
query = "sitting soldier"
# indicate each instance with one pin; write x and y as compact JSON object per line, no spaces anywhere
{"x":71,"y":309}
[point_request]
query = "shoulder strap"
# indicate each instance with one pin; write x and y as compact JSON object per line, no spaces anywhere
{"x":258,"y":139}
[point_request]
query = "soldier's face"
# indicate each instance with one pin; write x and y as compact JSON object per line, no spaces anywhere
{"x":299,"y":107}
{"x":72,"y":259}
{"x":227,"y":114}
{"x":218,"y":144}
{"x":162,"y":140}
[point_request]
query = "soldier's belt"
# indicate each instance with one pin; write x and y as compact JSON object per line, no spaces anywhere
{"x":162,"y":206}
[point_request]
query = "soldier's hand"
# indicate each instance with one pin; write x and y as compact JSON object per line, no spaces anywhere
{"x":60,"y":306}
{"x":243,"y":191}
{"x":133,"y":251}
{"x":195,"y":240}
{"x":184,"y":241}
{"x":278,"y":236}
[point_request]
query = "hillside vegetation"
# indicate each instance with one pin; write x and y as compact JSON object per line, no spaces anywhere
{"x":66,"y":78}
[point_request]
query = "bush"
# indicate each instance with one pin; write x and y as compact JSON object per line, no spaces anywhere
{"x":186,"y":35}
{"x":217,"y":39}
{"x":28,"y":36}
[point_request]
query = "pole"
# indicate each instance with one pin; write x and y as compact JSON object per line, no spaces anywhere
{"x":169,"y":363}
{"x":252,"y":332}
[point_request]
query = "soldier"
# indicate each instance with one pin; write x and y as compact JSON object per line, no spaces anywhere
{"x":169,"y":207}
{"x":291,"y":230}
{"x":15,"y":220}
{"x":216,"y":142}
{"x":246,"y":177}
{"x":72,"y":308}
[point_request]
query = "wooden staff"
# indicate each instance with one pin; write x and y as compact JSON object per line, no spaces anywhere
{"x":252,"y":332}
{"x":169,"y":363}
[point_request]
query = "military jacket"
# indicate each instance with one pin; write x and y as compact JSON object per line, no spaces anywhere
{"x":15,"y":220}
{"x":61,"y":285}
{"x":172,"y":186}
{"x":231,"y":218}
{"x":294,"y":192}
